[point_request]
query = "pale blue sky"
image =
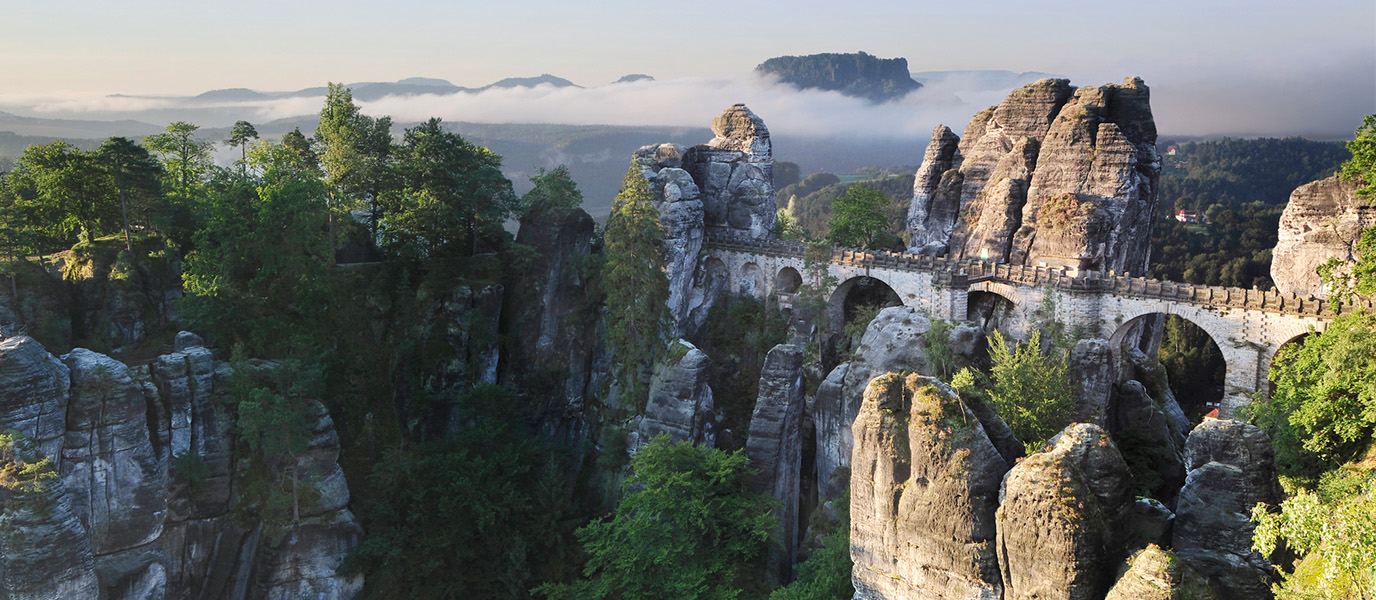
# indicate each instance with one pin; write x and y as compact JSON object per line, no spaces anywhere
{"x":164,"y":46}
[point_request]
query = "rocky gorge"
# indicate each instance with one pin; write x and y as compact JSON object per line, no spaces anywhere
{"x":150,"y":497}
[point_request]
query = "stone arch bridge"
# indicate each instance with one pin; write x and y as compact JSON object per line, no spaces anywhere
{"x":1249,"y":326}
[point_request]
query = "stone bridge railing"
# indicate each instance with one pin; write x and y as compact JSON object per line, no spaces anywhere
{"x":962,"y":273}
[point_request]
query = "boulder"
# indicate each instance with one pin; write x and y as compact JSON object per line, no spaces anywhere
{"x":680,"y":403}
{"x":1156,"y":574}
{"x":1231,"y":467}
{"x":892,"y":342}
{"x":774,"y":449}
{"x":924,"y":489}
{"x":1061,"y":512}
{"x":1323,"y":220}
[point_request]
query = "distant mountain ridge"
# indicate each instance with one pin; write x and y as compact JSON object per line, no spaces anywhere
{"x":375,"y":90}
{"x":861,"y":75}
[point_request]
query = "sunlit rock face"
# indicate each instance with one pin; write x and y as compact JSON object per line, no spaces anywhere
{"x":1059,"y":517}
{"x":1323,"y":220}
{"x":924,"y":491}
{"x":1053,"y":175}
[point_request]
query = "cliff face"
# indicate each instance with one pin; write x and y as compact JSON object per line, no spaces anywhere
{"x":124,"y":518}
{"x":1053,"y":174}
{"x":1324,"y":219}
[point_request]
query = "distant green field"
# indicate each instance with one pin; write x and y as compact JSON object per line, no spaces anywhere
{"x":849,"y":179}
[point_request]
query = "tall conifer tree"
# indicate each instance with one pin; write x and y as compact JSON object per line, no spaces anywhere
{"x":637,"y":288}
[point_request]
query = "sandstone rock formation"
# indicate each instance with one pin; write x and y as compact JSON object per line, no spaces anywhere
{"x":924,"y":489}
{"x":860,"y":75}
{"x":1231,"y":468}
{"x":1156,"y":574}
{"x":680,"y":403}
{"x":1324,"y":219}
{"x":108,"y":462}
{"x":45,"y":553}
{"x":553,"y":322}
{"x":34,"y":391}
{"x":892,"y":342}
{"x":123,"y":522}
{"x":774,"y":449}
{"x":725,"y":185}
{"x":1060,"y":512}
{"x":1053,"y":174}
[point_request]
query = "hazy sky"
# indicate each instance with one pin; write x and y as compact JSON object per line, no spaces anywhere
{"x":1233,"y":64}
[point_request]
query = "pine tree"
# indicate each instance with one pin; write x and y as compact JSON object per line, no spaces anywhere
{"x":637,"y":288}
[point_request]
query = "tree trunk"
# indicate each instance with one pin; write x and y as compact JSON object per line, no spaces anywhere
{"x":124,"y":210}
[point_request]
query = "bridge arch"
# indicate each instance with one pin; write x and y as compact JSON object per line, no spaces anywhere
{"x":751,"y":280}
{"x":1194,"y":358}
{"x":855,"y":292}
{"x":989,"y":308}
{"x":787,"y":281}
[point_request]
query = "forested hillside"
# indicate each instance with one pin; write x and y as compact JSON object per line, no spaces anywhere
{"x":1240,"y":187}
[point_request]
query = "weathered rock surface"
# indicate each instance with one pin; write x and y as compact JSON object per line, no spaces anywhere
{"x":892,"y":342}
{"x":1092,"y":370}
{"x":725,"y":185}
{"x":735,"y":173}
{"x":1231,"y":468}
{"x":121,"y":523}
{"x":1156,"y":574}
{"x":932,"y":213}
{"x":774,"y":449}
{"x":679,"y":200}
{"x":1053,"y":174}
{"x":924,"y":489}
{"x":553,"y":322}
{"x":1324,"y":219}
{"x":468,"y":322}
{"x":108,"y":464}
{"x":34,"y":393}
{"x":45,"y":553}
{"x":1060,"y":512}
{"x":680,"y":403}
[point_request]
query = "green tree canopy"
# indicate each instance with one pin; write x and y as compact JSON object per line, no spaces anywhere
{"x":257,"y":272}
{"x":356,"y":153}
{"x":66,"y":190}
{"x":636,"y":286}
{"x":554,"y":189}
{"x":453,"y":199}
{"x":186,"y":159}
{"x":858,"y":217}
{"x":239,"y":137}
{"x":1361,"y":168}
{"x":136,"y":177}
{"x":471,"y":516}
{"x":1030,"y":390}
{"x":687,"y":529}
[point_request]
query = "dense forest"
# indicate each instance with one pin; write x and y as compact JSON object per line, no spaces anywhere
{"x":1240,"y":187}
